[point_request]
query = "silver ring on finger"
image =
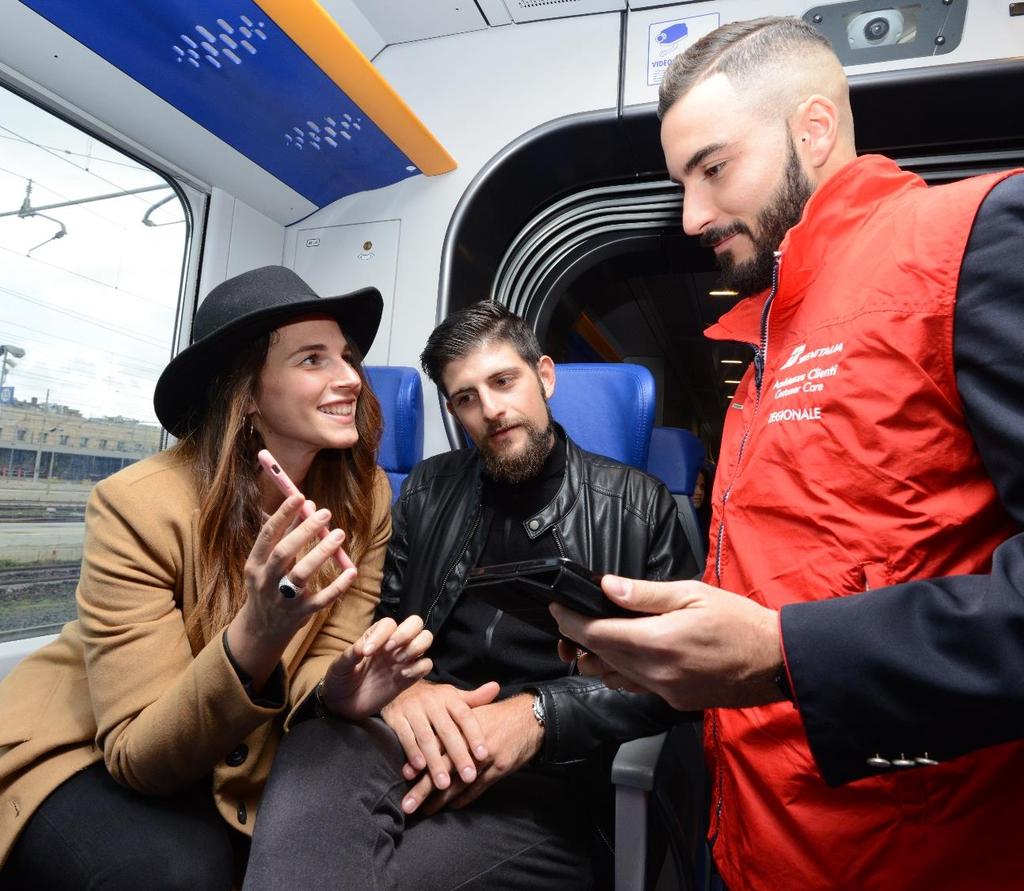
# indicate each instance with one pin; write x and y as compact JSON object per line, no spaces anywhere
{"x":288,"y":588}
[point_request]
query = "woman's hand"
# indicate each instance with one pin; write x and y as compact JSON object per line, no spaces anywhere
{"x":386,"y":660}
{"x":267,"y":621}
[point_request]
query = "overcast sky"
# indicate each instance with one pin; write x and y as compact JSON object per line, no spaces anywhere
{"x":93,"y":310}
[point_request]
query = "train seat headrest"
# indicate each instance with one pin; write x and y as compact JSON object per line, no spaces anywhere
{"x":400,"y":394}
{"x":606,"y":408}
{"x":676,"y":458}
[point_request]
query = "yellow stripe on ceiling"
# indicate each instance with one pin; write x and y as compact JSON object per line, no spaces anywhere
{"x":321,"y":38}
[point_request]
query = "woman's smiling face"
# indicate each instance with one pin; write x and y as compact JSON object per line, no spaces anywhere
{"x":308,"y":391}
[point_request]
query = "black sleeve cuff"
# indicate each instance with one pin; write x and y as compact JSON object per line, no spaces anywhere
{"x":273,"y":693}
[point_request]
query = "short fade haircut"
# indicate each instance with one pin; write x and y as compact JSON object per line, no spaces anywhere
{"x":740,"y":51}
{"x":472,"y":327}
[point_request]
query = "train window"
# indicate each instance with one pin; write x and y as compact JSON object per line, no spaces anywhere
{"x":92,"y":244}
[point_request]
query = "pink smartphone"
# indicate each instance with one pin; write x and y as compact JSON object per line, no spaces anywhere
{"x":287,"y":487}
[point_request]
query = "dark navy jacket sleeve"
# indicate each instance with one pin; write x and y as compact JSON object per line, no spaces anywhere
{"x":934,"y":669}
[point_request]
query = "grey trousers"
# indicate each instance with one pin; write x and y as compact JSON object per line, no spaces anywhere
{"x":330,"y":817}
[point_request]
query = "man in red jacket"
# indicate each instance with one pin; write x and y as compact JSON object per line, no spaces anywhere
{"x":873,"y":446}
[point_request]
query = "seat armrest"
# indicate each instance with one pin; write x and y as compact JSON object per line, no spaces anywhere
{"x":660,"y":808}
{"x":636,"y":760}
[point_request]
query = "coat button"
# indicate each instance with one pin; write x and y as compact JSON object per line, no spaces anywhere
{"x":237,"y":756}
{"x":241,"y":813}
{"x":534,"y":525}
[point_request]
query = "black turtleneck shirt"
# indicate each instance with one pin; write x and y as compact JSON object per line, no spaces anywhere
{"x":479,"y":643}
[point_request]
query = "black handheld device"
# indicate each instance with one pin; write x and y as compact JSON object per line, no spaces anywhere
{"x":525,"y":588}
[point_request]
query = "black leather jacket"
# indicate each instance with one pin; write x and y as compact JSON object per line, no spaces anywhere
{"x":606,"y":515}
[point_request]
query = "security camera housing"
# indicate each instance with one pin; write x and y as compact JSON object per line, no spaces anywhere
{"x":881,"y":27}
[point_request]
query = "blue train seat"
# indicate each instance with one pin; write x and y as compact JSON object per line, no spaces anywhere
{"x":400,"y":394}
{"x":607,"y":409}
{"x":676,"y":457}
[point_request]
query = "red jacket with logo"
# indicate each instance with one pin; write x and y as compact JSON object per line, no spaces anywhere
{"x":847,"y":465}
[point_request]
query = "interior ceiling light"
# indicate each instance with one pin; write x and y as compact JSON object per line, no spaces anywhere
{"x":731,"y":361}
{"x":723,"y":293}
{"x":730,"y":382}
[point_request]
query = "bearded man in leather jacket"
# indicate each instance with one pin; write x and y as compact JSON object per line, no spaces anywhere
{"x":487,"y":769}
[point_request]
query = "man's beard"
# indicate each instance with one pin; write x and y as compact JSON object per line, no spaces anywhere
{"x":524,"y":464}
{"x":774,"y":220}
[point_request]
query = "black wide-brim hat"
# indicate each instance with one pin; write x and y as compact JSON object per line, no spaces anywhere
{"x":236,"y":311}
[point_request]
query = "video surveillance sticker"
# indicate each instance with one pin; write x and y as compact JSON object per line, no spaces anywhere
{"x":665,"y":40}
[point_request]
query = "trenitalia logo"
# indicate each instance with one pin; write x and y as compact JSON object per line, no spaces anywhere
{"x":798,"y":356}
{"x":794,"y":356}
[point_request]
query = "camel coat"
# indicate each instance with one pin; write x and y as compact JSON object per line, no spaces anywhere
{"x":124,"y":683}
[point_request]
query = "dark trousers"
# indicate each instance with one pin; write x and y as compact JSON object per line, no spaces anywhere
{"x":330,"y":817}
{"x":95,"y":835}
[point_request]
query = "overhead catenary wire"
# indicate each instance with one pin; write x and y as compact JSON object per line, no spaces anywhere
{"x":95,"y":281}
{"x":82,"y":317}
{"x":59,"y":157}
{"x":49,"y":337}
{"x":96,"y":158}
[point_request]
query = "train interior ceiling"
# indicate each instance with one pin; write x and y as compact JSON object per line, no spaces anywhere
{"x":441,"y":151}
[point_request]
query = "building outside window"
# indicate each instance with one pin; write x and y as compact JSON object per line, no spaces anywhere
{"x":90,"y":290}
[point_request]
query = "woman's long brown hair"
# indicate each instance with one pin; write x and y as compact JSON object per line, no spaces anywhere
{"x":221,"y":450}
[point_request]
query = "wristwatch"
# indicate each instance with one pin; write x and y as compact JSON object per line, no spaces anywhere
{"x":538,"y":709}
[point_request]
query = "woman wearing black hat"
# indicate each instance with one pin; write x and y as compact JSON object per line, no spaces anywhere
{"x":134,"y":748}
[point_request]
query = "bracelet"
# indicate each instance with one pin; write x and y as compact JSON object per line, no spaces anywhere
{"x":320,"y":709}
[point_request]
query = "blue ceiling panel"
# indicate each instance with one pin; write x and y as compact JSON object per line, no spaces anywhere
{"x":226,"y":65}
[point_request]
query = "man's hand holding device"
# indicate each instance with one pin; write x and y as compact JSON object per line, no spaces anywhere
{"x":701,"y":646}
{"x":525,"y":589}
